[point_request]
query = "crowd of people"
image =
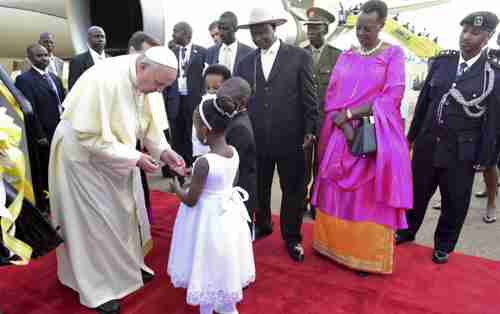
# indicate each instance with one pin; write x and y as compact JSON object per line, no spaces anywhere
{"x":220,"y":121}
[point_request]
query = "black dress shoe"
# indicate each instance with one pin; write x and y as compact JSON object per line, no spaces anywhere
{"x":296,"y":252}
{"x":146,"y":277}
{"x":261,"y":233}
{"x":481,"y":194}
{"x":440,"y":257}
{"x":110,"y":307}
{"x":402,"y":237}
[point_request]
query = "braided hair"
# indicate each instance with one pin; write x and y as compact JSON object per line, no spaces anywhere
{"x":216,"y":113}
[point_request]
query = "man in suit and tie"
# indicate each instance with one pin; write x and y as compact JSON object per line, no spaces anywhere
{"x":229,"y":52}
{"x":324,"y":58}
{"x":454,"y":132}
{"x":284,"y":113}
{"x":96,"y":40}
{"x":45,"y":92}
{"x":56,"y":64}
{"x":190,"y":84}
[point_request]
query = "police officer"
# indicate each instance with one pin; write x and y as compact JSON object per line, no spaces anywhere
{"x":453,"y":132}
{"x":324,"y":59}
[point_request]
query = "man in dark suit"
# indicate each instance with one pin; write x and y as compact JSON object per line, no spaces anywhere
{"x":284,"y":113}
{"x":45,"y":92}
{"x":192,"y":60}
{"x":96,"y":39}
{"x":324,"y":58}
{"x":453,"y":132}
{"x":230,"y":52}
{"x":239,"y":134}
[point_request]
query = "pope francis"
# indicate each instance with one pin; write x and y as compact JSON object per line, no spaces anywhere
{"x":95,"y":188}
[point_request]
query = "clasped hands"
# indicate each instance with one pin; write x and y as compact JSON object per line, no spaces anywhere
{"x":340,"y":120}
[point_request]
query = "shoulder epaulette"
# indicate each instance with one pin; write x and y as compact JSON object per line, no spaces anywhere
{"x":447,"y":53}
{"x":494,"y":57}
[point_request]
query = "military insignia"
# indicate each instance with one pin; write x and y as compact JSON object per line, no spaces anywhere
{"x":447,"y":53}
{"x":478,"y":21}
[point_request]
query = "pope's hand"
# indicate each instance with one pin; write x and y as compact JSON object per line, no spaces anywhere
{"x":174,"y":161}
{"x":147,"y":163}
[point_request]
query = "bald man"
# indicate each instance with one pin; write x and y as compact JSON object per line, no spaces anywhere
{"x":96,"y":41}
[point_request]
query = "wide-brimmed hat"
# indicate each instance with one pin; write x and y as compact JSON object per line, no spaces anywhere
{"x":316,"y":16}
{"x":262,"y":16}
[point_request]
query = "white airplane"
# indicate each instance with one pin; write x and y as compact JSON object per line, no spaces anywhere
{"x":22,"y":21}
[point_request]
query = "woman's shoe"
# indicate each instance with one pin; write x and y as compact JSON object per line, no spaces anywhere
{"x":491,"y":215}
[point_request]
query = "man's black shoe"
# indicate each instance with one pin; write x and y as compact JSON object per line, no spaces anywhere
{"x":402,"y":237}
{"x":110,"y":307}
{"x":261,"y":233}
{"x":296,"y":252}
{"x":146,"y":277}
{"x":440,"y":257}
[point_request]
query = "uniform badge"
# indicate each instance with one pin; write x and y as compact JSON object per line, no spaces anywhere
{"x":478,"y":21}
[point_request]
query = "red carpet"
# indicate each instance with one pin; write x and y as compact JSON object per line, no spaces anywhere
{"x":466,"y":285}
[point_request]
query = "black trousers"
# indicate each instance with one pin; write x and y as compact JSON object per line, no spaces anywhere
{"x":455,"y":185}
{"x":183,"y":131}
{"x":291,"y":171}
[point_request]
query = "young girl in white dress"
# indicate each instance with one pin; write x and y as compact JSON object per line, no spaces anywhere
{"x":211,"y":251}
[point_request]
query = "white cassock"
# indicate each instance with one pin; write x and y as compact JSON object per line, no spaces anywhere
{"x":96,"y":195}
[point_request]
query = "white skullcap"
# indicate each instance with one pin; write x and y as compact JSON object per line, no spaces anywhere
{"x":162,"y":55}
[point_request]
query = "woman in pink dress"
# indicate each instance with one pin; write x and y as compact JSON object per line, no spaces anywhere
{"x":361,"y":201}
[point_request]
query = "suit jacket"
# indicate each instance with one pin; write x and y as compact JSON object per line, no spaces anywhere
{"x":79,"y":64}
{"x":284,"y":108}
{"x":322,"y":71}
{"x":171,"y":99}
{"x":241,"y":52}
{"x":455,"y":136}
{"x":239,"y":134}
{"x":43,"y":98}
{"x":194,"y":70}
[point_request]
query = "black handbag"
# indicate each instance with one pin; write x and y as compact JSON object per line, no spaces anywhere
{"x":364,"y":142}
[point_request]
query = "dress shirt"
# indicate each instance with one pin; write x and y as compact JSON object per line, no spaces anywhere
{"x":97,"y":57}
{"x":52,"y":84}
{"x":469,"y":62}
{"x":268,"y":56}
{"x":183,"y":62}
{"x":52,"y":65}
{"x":316,"y":53}
{"x":232,"y":49}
